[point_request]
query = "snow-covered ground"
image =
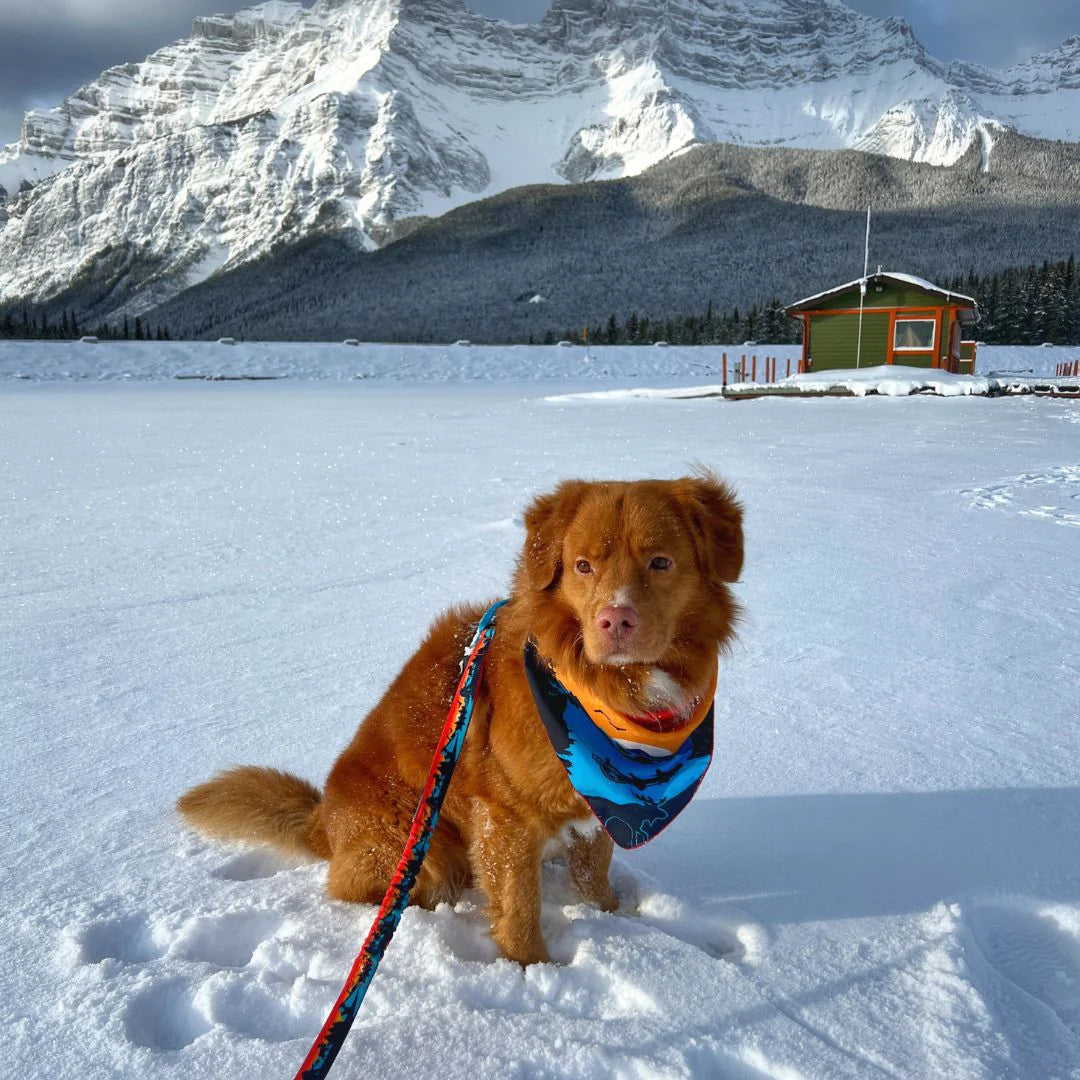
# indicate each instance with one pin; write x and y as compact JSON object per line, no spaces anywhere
{"x":878,"y":878}
{"x":128,"y":360}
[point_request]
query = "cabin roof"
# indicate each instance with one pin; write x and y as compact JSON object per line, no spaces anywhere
{"x":903,"y":279}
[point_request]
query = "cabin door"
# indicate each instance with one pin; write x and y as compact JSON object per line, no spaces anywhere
{"x":954,"y":347}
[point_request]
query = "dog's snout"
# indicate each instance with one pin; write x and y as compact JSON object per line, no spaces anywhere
{"x":617,"y":621}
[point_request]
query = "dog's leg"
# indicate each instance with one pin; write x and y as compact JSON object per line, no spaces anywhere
{"x":363,"y":864}
{"x":506,"y":855}
{"x":590,"y":858}
{"x":359,"y":874}
{"x":363,"y":874}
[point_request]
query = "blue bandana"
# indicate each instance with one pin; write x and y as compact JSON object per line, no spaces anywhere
{"x":634,"y":794}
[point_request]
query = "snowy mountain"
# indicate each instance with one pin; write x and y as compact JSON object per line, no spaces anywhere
{"x":282,"y":122}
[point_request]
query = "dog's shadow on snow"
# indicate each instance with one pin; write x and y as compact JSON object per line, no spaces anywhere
{"x":806,"y":857}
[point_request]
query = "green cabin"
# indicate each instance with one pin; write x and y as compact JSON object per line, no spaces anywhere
{"x":905,"y":320}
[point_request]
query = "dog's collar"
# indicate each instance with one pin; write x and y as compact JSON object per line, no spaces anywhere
{"x":634,"y":790}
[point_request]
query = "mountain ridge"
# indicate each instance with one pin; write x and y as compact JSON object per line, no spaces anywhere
{"x":283,"y":122}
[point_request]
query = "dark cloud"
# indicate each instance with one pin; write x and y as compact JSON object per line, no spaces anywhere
{"x":50,"y":47}
{"x":997,"y":33}
{"x":47,"y":49}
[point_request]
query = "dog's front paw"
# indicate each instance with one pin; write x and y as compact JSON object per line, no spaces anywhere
{"x":608,"y":900}
{"x":526,"y":949}
{"x":532,"y":956}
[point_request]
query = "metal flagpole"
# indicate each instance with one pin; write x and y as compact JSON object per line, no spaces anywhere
{"x":862,"y":289}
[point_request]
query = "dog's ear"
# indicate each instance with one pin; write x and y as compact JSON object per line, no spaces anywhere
{"x":546,"y":520}
{"x":715,"y":517}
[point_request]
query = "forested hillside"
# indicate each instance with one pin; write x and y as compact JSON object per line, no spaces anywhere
{"x":730,"y":226}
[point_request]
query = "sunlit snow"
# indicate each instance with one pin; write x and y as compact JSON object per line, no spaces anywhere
{"x":879,"y":876}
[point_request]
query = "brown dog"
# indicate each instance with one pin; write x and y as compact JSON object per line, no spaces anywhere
{"x":621,"y":585}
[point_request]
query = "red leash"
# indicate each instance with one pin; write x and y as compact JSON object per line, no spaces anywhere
{"x":332,"y":1037}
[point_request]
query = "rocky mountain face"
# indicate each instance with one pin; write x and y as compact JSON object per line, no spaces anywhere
{"x":364,"y":117}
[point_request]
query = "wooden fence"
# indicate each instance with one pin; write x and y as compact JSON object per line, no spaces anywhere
{"x":745,"y":369}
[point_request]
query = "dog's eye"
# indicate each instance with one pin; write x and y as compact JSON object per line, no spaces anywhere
{"x":661,"y":562}
{"x":583,"y":566}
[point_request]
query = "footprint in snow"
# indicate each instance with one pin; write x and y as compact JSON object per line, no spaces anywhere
{"x":1034,"y":952}
{"x":247,"y":971}
{"x":228,"y":940}
{"x":162,"y":1017}
{"x":257,"y":974}
{"x":1023,"y":494}
{"x":131,"y":940}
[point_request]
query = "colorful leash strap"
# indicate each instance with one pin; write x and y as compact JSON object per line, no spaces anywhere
{"x":332,"y":1037}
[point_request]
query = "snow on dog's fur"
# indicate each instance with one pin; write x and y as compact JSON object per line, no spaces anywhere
{"x":624,"y":585}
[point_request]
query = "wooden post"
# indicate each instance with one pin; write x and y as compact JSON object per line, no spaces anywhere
{"x":742,"y":368}
{"x":789,"y":367}
{"x":753,"y":368}
{"x":725,"y":369}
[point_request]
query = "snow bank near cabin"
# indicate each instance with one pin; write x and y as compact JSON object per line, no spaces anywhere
{"x":890,"y":380}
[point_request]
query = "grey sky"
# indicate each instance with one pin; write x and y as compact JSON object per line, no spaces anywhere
{"x":50,"y":47}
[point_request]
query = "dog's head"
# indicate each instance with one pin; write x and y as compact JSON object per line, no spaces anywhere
{"x":623,"y":573}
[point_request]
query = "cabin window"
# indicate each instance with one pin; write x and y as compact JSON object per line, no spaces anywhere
{"x":914,"y":335}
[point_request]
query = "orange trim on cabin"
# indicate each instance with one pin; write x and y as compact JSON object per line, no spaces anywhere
{"x":855,"y":311}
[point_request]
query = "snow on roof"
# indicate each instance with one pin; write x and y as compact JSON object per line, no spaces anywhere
{"x":906,"y":279}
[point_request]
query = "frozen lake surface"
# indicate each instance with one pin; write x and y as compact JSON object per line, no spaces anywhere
{"x":878,"y":878}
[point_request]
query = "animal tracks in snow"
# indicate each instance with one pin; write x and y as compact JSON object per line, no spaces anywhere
{"x":1030,"y":494}
{"x":267,"y":961}
{"x":129,"y":940}
{"x":227,"y":941}
{"x":241,"y":970}
{"x":163,"y":1017}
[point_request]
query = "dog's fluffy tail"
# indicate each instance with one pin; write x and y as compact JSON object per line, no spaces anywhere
{"x":262,"y":806}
